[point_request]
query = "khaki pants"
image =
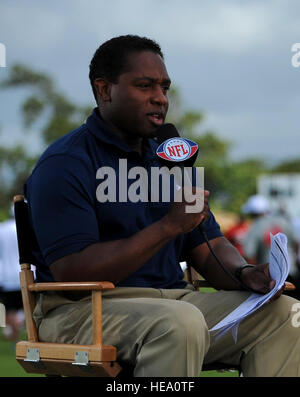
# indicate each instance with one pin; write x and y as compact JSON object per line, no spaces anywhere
{"x":165,"y":332}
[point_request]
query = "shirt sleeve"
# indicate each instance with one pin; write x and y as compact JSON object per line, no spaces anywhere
{"x":61,"y":197}
{"x":195,"y":238}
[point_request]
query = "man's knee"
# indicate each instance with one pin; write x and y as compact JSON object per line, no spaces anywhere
{"x":183,"y":323}
{"x":281,"y":315}
{"x":282,"y":308}
{"x":287,"y":309}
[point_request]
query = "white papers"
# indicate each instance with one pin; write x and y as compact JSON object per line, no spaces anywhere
{"x":279,"y":270}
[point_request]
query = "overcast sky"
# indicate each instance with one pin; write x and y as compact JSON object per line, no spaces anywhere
{"x":231,"y":59}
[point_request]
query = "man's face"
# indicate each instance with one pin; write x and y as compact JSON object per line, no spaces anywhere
{"x":139,"y":102}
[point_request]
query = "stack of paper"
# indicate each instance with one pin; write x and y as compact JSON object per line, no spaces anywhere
{"x":279,"y":270}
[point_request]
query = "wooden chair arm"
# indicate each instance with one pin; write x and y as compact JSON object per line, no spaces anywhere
{"x":95,"y":286}
{"x":201,"y":284}
{"x":288,"y":286}
{"x":194,"y":278}
{"x":71,"y":286}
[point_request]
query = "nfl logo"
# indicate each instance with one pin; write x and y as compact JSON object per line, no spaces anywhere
{"x":177,"y":149}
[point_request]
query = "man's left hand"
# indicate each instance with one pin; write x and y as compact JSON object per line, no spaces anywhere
{"x":259,"y":280}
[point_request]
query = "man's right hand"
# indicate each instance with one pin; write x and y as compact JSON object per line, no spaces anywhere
{"x":180,"y":220}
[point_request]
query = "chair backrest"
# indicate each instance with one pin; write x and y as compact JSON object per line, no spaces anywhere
{"x":26,"y":242}
{"x":194,"y":278}
{"x":26,"y":238}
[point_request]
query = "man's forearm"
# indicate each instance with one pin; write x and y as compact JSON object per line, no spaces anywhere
{"x":205,"y":263}
{"x":114,"y":260}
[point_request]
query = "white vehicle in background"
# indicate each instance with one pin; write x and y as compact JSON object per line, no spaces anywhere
{"x":282,"y":192}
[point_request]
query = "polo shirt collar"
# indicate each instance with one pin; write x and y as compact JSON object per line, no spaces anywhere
{"x":101,"y":131}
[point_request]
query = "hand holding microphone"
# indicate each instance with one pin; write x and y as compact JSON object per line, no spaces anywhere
{"x":174,"y":151}
{"x":182,"y":221}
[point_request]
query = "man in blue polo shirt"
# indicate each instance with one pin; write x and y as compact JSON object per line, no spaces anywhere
{"x":157,"y":321}
{"x":87,"y":220}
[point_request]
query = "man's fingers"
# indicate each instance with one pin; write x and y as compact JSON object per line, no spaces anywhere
{"x":272,"y":284}
{"x":277,"y":295}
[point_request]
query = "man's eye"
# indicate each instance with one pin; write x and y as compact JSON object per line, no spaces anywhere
{"x":145,"y":85}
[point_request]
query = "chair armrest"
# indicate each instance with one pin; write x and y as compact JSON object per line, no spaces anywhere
{"x":71,"y":286}
{"x":95,"y":286}
{"x":201,"y":284}
{"x":289,"y":286}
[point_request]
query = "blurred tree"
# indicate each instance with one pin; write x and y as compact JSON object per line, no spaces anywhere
{"x":45,"y":103}
{"x":186,"y":121}
{"x":230,"y":183}
{"x":288,"y":166}
{"x":54,"y":114}
{"x":240,"y":179}
{"x":15,"y":166}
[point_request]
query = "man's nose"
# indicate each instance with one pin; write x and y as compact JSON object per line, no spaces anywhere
{"x":159,"y":96}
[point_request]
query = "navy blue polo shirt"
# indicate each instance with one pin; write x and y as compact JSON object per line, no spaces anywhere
{"x":67,"y":217}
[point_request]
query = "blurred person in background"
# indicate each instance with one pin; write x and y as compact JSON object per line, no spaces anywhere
{"x":257,"y":241}
{"x":236,"y":233}
{"x":10,"y":294}
{"x":295,"y":279}
{"x":296,"y":223}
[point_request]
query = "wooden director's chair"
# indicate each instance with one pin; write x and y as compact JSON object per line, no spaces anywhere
{"x":60,"y":359}
{"x":56,"y":358}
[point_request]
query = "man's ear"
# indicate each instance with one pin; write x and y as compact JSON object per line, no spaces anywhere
{"x":103,"y":88}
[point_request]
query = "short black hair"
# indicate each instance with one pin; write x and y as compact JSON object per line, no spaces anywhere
{"x":110,"y":58}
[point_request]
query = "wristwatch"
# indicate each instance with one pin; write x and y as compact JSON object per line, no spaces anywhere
{"x":239,"y":270}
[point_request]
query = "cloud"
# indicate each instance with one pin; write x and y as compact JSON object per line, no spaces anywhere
{"x":231,"y":59}
{"x":30,"y":29}
{"x":232,"y":27}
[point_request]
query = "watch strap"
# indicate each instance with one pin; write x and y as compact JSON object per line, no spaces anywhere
{"x":239,"y":270}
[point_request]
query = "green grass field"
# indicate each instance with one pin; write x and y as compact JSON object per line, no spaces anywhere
{"x":9,"y":367}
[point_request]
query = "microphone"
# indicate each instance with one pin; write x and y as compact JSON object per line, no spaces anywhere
{"x":166,"y":131}
{"x":174,"y":150}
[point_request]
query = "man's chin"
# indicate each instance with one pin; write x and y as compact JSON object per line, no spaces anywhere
{"x":146,"y":130}
{"x":152,"y":132}
{"x":146,"y":133}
